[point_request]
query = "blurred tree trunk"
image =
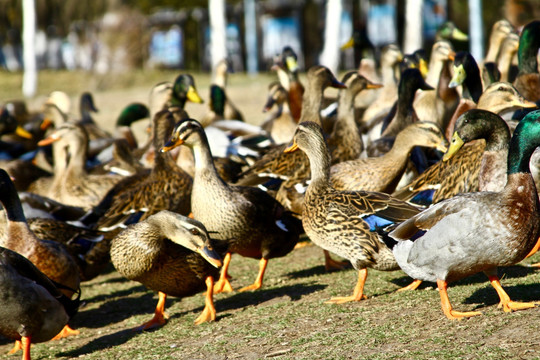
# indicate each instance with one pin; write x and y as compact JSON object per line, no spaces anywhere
{"x":330,"y":54}
{"x":413,"y":26}
{"x":218,"y":35}
{"x":476,"y":33}
{"x":29,"y":86}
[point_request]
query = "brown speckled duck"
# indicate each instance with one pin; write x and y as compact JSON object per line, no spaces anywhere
{"x":348,"y":223}
{"x":169,"y":253}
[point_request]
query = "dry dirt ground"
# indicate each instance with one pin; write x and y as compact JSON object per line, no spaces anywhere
{"x":288,"y":318}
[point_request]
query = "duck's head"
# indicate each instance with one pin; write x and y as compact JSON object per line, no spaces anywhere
{"x":290,"y":59}
{"x":529,"y":43}
{"x":502,"y":96}
{"x":86,"y":103}
{"x":449,"y":31}
{"x":525,"y":140}
{"x":218,"y":98}
{"x":276,"y":95}
{"x":308,"y":136}
{"x":321,"y":75}
{"x":356,"y":82}
{"x":476,"y":124}
{"x":464,"y":63}
{"x":132,"y":113}
{"x":423,"y":133}
{"x":68,"y":133}
{"x":442,"y":51}
{"x":412,"y":80}
{"x":184,"y":89}
{"x":189,"y":233}
{"x":188,"y":132}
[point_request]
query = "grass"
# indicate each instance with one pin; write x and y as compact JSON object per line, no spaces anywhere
{"x":288,"y":318}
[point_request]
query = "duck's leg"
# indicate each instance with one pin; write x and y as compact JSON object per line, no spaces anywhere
{"x":258,"y":282}
{"x":412,"y":286}
{"x":65,"y":332}
{"x":160,"y":317}
{"x":358,"y":293}
{"x":534,"y":251}
{"x":447,"y":307}
{"x":331,"y":264}
{"x":209,"y":311}
{"x":223,"y":284}
{"x":506,"y":303}
{"x":26,"y":342}
{"x":16,"y":347}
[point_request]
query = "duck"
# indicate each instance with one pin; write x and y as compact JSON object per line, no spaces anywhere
{"x":48,"y":256}
{"x":405,"y":114}
{"x":221,"y":72}
{"x":348,"y":223}
{"x":383,"y":173}
{"x":171,"y":254}
{"x":71,"y":183}
{"x":246,"y":220}
{"x":345,"y":140}
{"x":165,"y":186}
{"x":391,"y":56}
{"x":449,"y":31}
{"x":475,"y":232}
{"x":499,"y":31}
{"x":280,"y":125}
{"x":86,"y":107}
{"x":528,"y":79}
{"x":437,"y":105}
{"x":459,"y":173}
{"x":286,"y":66}
{"x":490,"y":74}
{"x":33,"y":308}
{"x":467,"y":74}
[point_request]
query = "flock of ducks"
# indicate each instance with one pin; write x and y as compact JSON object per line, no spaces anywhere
{"x":368,"y":176}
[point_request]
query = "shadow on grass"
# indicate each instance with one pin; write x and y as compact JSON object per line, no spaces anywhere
{"x":106,"y":341}
{"x":136,"y":288}
{"x":314,"y":271}
{"x":509,"y":272}
{"x":240,"y":300}
{"x":120,"y":308}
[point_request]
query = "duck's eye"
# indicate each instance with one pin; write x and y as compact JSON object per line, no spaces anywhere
{"x":501,"y":88}
{"x":195,"y":231}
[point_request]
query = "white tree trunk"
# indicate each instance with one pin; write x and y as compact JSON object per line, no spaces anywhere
{"x":413,"y":26}
{"x":330,"y":54}
{"x":29,"y":48}
{"x":250,"y":20}
{"x":475,"y":30}
{"x":218,"y":35}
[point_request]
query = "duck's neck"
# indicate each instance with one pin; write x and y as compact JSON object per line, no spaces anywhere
{"x":17,"y":227}
{"x":311,"y":104}
{"x":497,"y":136}
{"x":205,"y":169}
{"x":77,"y":158}
{"x":434,"y":73}
{"x":495,"y":41}
{"x":529,"y":43}
{"x":472,"y":87}
{"x":402,"y":148}
{"x":319,"y":160}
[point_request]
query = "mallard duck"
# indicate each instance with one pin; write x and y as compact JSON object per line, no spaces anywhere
{"x":449,"y":31}
{"x":460,"y":173}
{"x":49,"y":257}
{"x":467,"y":74}
{"x":411,"y":81}
{"x":437,"y":105}
{"x":490,"y":73}
{"x":280,"y":124}
{"x":221,"y":72}
{"x":345,"y":141}
{"x":342,"y":221}
{"x":32,"y":307}
{"x":72,"y":184}
{"x":171,"y":254}
{"x":130,"y":114}
{"x":247,"y":220}
{"x":384,"y":172}
{"x":286,"y":66}
{"x":479,"y":231}
{"x":390,"y":59}
{"x":528,"y":79}
{"x":86,"y":107}
{"x":165,"y":187}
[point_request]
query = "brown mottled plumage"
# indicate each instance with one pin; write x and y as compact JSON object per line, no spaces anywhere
{"x":169,"y":253}
{"x":384,"y":172}
{"x":337,"y":220}
{"x":247,"y":220}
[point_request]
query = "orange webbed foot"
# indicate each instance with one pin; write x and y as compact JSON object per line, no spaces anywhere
{"x":331,"y":264}
{"x":345,"y":299}
{"x":157,"y":321}
{"x":223,"y":286}
{"x":517,"y":305}
{"x":16,"y":347}
{"x":412,"y":286}
{"x":66,"y":331}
